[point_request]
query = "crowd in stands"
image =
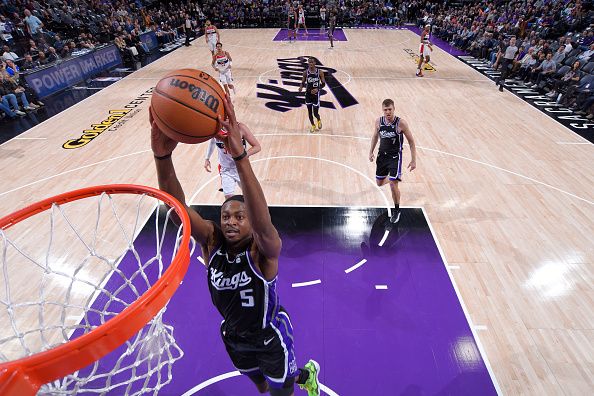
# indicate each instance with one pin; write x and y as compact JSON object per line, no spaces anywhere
{"x":555,"y":42}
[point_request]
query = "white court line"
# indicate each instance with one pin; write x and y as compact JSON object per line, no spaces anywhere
{"x":350,"y":78}
{"x":464,"y":309}
{"x":572,"y":143}
{"x":306,"y":157}
{"x":454,"y":267}
{"x":313,"y":135}
{"x":453,"y":155}
{"x":386,"y":233}
{"x":321,"y":45}
{"x":73,"y":170}
{"x":24,"y":138}
{"x":381,"y":287}
{"x":232,"y":374}
{"x":279,"y":77}
{"x":510,"y":172}
{"x":481,"y":328}
{"x":518,"y":98}
{"x":321,"y":159}
{"x":309,"y":283}
{"x":354,"y":267}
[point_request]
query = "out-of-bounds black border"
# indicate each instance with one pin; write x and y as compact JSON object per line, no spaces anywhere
{"x":575,"y":122}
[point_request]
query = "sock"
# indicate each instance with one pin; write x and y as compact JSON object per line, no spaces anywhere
{"x":302,"y":377}
{"x":397,"y":207}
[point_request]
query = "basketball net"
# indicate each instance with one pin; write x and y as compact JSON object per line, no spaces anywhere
{"x":69,"y":269}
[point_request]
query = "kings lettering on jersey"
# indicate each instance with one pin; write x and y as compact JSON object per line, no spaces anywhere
{"x":220,"y":282}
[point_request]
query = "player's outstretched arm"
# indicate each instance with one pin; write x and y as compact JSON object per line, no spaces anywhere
{"x":203,"y":231}
{"x":251,"y":139}
{"x":265,"y":235}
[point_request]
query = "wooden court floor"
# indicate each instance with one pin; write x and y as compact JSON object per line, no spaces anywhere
{"x":509,"y":191}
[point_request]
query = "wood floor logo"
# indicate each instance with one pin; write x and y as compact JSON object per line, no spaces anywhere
{"x":415,"y":57}
{"x":114,"y":120}
{"x":291,"y":71}
{"x":577,"y":123}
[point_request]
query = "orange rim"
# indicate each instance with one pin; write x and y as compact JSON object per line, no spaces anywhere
{"x":25,"y":376}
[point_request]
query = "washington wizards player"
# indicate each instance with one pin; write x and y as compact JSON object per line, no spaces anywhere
{"x":389,"y":130}
{"x":242,"y":269}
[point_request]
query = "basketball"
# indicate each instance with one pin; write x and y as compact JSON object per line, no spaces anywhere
{"x":185,"y":105}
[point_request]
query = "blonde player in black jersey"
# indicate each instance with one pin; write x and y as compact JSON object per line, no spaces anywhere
{"x":389,"y":130}
{"x":241,"y":256}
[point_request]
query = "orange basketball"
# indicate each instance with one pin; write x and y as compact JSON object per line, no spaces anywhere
{"x":185,"y":105}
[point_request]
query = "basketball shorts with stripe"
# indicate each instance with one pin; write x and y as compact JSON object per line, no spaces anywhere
{"x":312,"y":99}
{"x":389,"y":164}
{"x":269,"y":352}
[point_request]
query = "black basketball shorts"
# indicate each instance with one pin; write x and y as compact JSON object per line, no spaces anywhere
{"x":389,"y":164}
{"x":269,"y":352}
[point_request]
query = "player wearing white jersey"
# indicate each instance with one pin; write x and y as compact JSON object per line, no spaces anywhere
{"x":221,"y":61}
{"x":425,"y":50}
{"x":301,"y":18}
{"x":212,"y":37}
{"x":227,"y":166}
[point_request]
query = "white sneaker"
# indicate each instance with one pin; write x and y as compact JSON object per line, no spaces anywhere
{"x":30,"y":108}
{"x":20,"y":113}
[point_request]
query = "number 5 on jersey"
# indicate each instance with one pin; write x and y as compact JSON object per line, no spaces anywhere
{"x":247,"y":300}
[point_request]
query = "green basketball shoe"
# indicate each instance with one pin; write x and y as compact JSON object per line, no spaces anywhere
{"x":312,"y":385}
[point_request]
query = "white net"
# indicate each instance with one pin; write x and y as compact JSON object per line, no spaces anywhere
{"x":75,"y":266}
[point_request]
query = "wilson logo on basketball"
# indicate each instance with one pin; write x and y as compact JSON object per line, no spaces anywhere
{"x":197,"y":93}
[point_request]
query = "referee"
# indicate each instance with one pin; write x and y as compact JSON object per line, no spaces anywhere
{"x":508,"y":57}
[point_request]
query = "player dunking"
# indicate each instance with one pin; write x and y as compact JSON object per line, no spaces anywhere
{"x":314,"y":81}
{"x":221,"y":61}
{"x":212,"y":37}
{"x":331,"y":27}
{"x":425,"y":50}
{"x":322,"y":19}
{"x":227,"y":168}
{"x":241,"y":256}
{"x":301,"y":18}
{"x":389,"y":130}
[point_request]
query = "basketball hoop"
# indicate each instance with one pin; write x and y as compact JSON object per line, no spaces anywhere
{"x":133,"y":303}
